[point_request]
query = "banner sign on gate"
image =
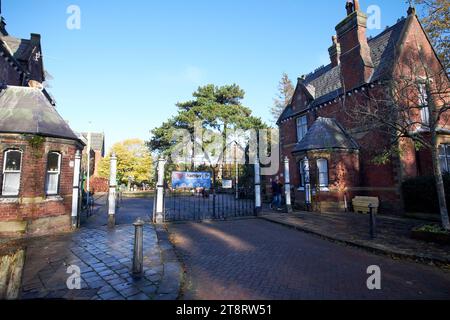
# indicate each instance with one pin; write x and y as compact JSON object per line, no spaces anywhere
{"x":191,"y":180}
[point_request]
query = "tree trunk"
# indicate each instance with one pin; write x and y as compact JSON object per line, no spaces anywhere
{"x":439,"y":182}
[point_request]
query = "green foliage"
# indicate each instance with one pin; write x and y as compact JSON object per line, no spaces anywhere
{"x":435,"y":16}
{"x":420,"y":195}
{"x":133,"y":160}
{"x":36,"y":142}
{"x":433,"y":228}
{"x":217,"y":108}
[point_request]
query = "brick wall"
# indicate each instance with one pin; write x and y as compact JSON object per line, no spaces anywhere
{"x":32,"y":202}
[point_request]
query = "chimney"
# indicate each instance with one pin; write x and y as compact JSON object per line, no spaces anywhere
{"x":335,"y":52}
{"x":355,"y":59}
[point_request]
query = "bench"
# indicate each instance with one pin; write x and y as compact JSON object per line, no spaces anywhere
{"x":361,"y":204}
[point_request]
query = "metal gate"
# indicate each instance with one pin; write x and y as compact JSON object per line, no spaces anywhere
{"x":232,"y":195}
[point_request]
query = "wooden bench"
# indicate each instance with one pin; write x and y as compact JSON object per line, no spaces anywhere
{"x":361,"y":204}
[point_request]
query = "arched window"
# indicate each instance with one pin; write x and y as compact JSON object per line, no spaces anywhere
{"x":322,"y":168}
{"x":53,"y":173}
{"x":12,"y":168}
{"x":304,"y":172}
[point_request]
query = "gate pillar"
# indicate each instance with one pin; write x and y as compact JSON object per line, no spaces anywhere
{"x":258,"y":206}
{"x":112,"y":192}
{"x":159,"y":208}
{"x":287,"y":185}
{"x":76,"y":189}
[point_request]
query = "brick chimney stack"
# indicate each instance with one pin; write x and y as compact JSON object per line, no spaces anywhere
{"x":335,"y":52}
{"x":355,"y":59}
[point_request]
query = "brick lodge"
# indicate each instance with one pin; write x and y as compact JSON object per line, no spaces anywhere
{"x":37,"y":147}
{"x":331,"y":158}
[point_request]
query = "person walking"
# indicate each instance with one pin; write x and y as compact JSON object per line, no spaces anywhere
{"x":276,"y":195}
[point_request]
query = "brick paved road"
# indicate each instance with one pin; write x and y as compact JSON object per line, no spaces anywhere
{"x":255,"y":259}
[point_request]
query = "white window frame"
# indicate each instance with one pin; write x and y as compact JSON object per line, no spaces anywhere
{"x":7,"y":172}
{"x":423,"y":103}
{"x":302,"y":127}
{"x":444,"y":157}
{"x":323,"y":186}
{"x":304,"y":168}
{"x":49,"y":173}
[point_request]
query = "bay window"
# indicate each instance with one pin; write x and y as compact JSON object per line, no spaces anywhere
{"x":12,"y":168}
{"x":304,"y":173}
{"x":322,"y":168}
{"x":53,"y":173}
{"x":444,"y":157}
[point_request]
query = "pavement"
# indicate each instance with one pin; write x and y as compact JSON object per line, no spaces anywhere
{"x":256,"y":259}
{"x":393,"y":234}
{"x":104,"y":258}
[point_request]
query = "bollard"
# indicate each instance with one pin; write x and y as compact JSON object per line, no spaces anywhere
{"x":138,"y":253}
{"x":372,"y":222}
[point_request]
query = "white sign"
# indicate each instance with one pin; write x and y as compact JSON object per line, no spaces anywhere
{"x":227,"y":184}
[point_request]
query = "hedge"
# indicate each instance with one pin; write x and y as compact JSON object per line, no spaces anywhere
{"x":420,"y":196}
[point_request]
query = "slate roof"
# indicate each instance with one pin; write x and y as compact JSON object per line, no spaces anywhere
{"x":19,"y":48}
{"x":326,"y":134}
{"x":27,"y":110}
{"x":324,"y":84}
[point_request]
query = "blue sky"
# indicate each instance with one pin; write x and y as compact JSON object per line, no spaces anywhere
{"x":132,"y":60}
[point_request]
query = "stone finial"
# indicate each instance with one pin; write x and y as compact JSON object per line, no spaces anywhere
{"x":356,"y":5}
{"x":411,"y":11}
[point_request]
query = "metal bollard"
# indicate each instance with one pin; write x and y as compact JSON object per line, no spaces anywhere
{"x":372,"y":222}
{"x":138,"y":254}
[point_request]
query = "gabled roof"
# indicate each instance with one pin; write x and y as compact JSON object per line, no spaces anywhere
{"x":326,"y":134}
{"x":27,"y":110}
{"x":97,"y":141}
{"x":325,"y":83}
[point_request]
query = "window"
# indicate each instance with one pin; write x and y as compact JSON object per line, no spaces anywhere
{"x":322,"y":168}
{"x":444,"y":157}
{"x":12,"y":167}
{"x":302,"y":127}
{"x":53,"y":172}
{"x":423,"y":102}
{"x":304,"y":172}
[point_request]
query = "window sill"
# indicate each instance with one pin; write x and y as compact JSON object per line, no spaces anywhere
{"x":9,"y":199}
{"x":301,"y":189}
{"x":53,"y":198}
{"x":324,"y":189}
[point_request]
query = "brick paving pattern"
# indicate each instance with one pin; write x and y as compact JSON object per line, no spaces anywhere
{"x":105,"y":260}
{"x":256,"y":259}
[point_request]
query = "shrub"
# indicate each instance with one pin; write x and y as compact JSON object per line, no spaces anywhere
{"x":420,"y":195}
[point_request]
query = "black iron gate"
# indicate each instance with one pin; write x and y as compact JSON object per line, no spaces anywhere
{"x":232,"y":195}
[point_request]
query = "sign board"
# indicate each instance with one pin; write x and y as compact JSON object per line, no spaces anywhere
{"x":191,"y":180}
{"x":227,"y":184}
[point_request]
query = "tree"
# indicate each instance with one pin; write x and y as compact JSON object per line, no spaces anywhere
{"x":216,"y":109}
{"x":133,"y":160}
{"x":284,"y":96}
{"x":435,"y":16}
{"x":410,"y":110}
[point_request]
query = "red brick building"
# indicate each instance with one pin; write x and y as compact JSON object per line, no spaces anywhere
{"x":331,"y":158}
{"x":37,"y":147}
